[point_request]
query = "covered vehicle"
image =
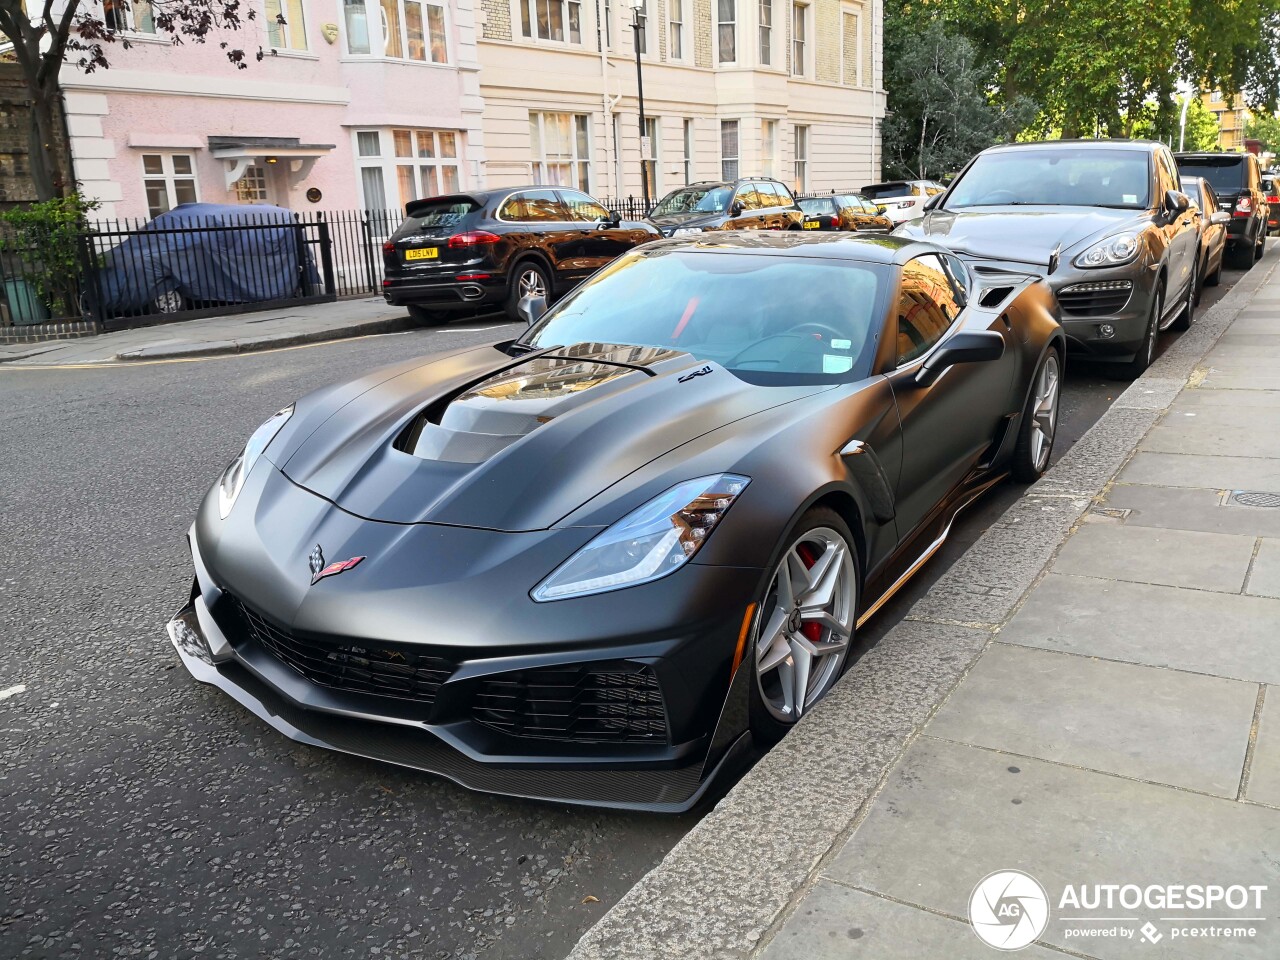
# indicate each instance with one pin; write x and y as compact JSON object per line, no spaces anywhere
{"x":591,"y":564}
{"x":200,"y":254}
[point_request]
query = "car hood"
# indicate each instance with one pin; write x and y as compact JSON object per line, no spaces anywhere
{"x":671,"y":221}
{"x":1029,"y":235}
{"x":482,"y":439}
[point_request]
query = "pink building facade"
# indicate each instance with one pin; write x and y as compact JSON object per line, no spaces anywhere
{"x":356,"y":103}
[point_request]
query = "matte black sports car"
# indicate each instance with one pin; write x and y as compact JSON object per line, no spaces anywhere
{"x":591,"y":563}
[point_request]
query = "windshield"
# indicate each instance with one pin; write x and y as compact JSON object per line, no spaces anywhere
{"x":816,"y":205}
{"x":694,"y":200}
{"x":1066,"y":176}
{"x":1191,"y":187}
{"x":880,"y":191}
{"x":1225,"y":173}
{"x":767,"y":319}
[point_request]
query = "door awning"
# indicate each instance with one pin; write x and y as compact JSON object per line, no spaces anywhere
{"x":240,"y":153}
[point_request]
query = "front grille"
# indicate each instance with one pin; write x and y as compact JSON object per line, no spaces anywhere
{"x":383,"y":670}
{"x":618,"y":703}
{"x":1099,"y":299}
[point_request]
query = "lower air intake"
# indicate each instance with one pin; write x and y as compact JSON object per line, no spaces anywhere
{"x":612,"y":703}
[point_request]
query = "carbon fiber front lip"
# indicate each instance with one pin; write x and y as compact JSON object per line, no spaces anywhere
{"x":655,"y":790}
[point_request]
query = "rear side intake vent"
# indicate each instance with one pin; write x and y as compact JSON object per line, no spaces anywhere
{"x":993,"y":297}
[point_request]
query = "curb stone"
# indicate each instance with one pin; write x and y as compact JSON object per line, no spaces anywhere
{"x":725,"y":889}
{"x":212,"y":348}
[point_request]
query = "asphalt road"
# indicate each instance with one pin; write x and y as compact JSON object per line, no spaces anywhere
{"x":142,"y":814}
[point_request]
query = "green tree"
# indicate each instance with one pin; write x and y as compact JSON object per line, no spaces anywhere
{"x":1266,"y":128}
{"x":940,"y":111}
{"x":1201,"y":131}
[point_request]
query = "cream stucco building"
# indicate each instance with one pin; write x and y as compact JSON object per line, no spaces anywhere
{"x":784,"y":88}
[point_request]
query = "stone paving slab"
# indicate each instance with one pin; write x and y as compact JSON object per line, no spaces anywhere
{"x":1191,"y":470}
{"x":1220,"y":380}
{"x":1222,"y":634}
{"x":1264,"y":578}
{"x":1257,"y":399}
{"x":951,"y":814}
{"x":836,"y":922}
{"x":1188,"y":508}
{"x":1216,"y":431}
{"x":1176,"y":558}
{"x":1166,"y":726}
{"x":1264,"y":775}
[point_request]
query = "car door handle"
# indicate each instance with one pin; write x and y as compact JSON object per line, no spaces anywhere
{"x":1186,"y":223}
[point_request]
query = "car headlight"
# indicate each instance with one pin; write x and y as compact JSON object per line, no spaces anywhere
{"x":686,"y":231}
{"x":1111,"y":252}
{"x":233,"y":477}
{"x":647,"y":544}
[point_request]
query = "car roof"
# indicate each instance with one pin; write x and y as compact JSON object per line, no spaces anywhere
{"x":1212,"y":155}
{"x":789,"y":243}
{"x":1149,"y":146}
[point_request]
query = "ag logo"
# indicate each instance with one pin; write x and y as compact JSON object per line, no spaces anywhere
{"x":1008,"y":909}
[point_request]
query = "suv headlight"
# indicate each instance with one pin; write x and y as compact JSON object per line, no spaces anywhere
{"x":233,"y":477}
{"x":647,"y":544}
{"x":1111,"y":252}
{"x":686,"y":231}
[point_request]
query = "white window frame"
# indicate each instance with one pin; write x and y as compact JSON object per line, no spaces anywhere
{"x":765,"y":31}
{"x":568,"y":8}
{"x":130,"y":17}
{"x":800,"y":170}
{"x":676,"y":30}
{"x":289,"y":30}
{"x":379,"y":41}
{"x":736,"y":158}
{"x":801,"y":16}
{"x":653,"y":162}
{"x":845,"y":12}
{"x":768,"y":148}
{"x":168,"y":176}
{"x":253,"y":185}
{"x":718,"y":23}
{"x":689,"y":133}
{"x":577,"y":161}
{"x":646,"y":32}
{"x":388,"y":163}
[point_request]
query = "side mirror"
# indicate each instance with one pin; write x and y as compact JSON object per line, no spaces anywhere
{"x":531,"y":308}
{"x":932,"y":202}
{"x":967,"y":346}
{"x":1176,"y":202}
{"x":1220,"y":216}
{"x":736,"y":209}
{"x":615,"y":218}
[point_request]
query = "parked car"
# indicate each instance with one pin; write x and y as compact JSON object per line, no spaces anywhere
{"x":472,"y":252}
{"x":902,"y":200}
{"x":750,"y":203}
{"x":205,"y":254}
{"x":1213,"y":231}
{"x":1237,"y":181}
{"x":848,"y":211}
{"x":1105,"y":221}
{"x":1271,"y":188}
{"x":592,"y":564}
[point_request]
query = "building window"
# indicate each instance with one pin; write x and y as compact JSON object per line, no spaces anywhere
{"x":169,"y":179}
{"x":728,"y":149}
{"x":135,"y":17}
{"x":768,"y":146}
{"x":286,"y":25}
{"x":766,"y":32}
{"x":727,"y":30}
{"x":252,"y":187}
{"x":401,"y":30}
{"x":675,"y":23}
{"x":421,"y":163}
{"x":852,"y":47}
{"x":642,"y":17}
{"x":800,"y":183}
{"x":653,"y":131}
{"x":608,"y":24}
{"x":561,"y":144}
{"x":799,"y":38}
{"x":688,"y":151}
{"x":552,"y":20}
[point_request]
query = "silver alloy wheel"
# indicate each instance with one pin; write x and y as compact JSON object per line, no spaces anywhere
{"x":1044,"y":417}
{"x":168,"y":302}
{"x":531,"y":283}
{"x":1153,"y":328}
{"x":806,"y":623}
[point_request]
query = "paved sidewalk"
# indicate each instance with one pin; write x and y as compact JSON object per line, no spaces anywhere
{"x":1086,"y":696}
{"x":234,"y":333}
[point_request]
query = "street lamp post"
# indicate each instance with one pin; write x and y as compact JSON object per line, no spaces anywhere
{"x":637,"y":8}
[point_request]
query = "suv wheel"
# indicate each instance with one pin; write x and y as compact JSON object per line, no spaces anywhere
{"x":1260,"y":247}
{"x":1147,"y":349}
{"x":1242,"y":255}
{"x":527,"y":278}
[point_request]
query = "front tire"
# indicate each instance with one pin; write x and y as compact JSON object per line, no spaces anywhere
{"x":1213,"y":279}
{"x":528,"y":278}
{"x":1039,"y":424}
{"x":1188,"y":314}
{"x":805,"y":624}
{"x":1147,"y":349}
{"x":1242,"y":254}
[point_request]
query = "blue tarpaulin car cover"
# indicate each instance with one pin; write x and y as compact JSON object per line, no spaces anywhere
{"x":199,"y":254}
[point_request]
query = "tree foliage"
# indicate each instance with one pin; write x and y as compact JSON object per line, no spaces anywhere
{"x":46,"y":237}
{"x":48,"y":35}
{"x":941,"y":113}
{"x":1266,"y":128}
{"x":1201,"y":131}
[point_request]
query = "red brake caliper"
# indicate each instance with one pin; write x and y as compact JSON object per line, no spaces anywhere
{"x":812,"y":631}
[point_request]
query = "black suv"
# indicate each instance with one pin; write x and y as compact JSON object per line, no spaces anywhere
{"x":471,"y":252}
{"x":751,"y":203}
{"x":1237,"y":181}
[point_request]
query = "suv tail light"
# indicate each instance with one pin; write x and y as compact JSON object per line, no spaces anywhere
{"x":835,"y":221}
{"x":388,"y":247}
{"x":1244,"y":206}
{"x":473,"y":238}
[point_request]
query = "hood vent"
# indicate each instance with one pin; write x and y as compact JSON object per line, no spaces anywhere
{"x":994,"y":296}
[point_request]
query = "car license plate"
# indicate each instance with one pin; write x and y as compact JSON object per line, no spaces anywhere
{"x":812,"y":224}
{"x":422,"y":253}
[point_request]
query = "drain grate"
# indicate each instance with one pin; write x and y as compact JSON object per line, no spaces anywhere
{"x":1249,"y":498}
